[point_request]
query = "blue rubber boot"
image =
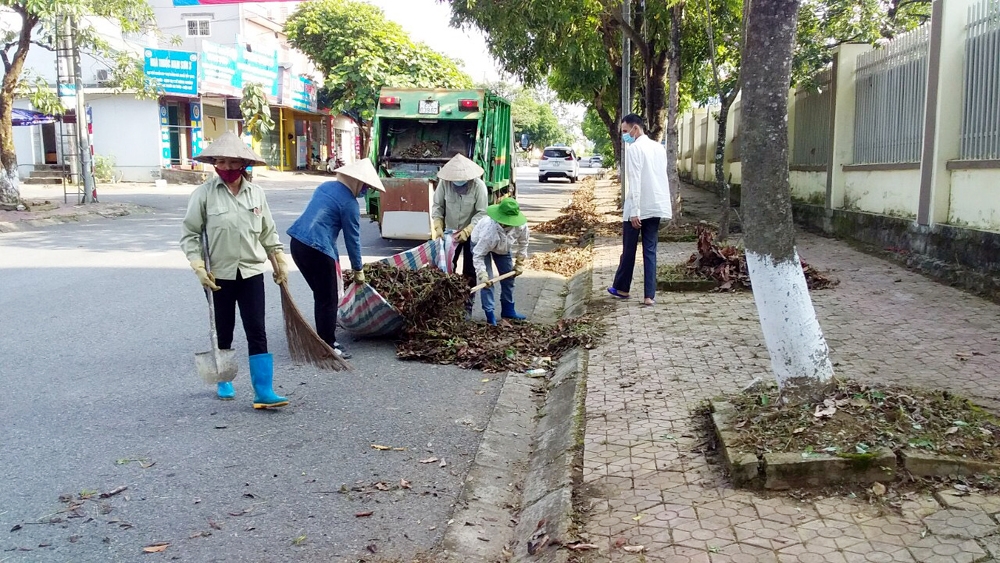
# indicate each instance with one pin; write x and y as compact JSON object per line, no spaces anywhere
{"x":225,"y":391}
{"x":262,"y":376}
{"x":507,"y":311}
{"x":491,"y":318}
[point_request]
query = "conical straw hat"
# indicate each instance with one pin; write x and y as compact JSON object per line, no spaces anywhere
{"x":460,"y":169}
{"x":228,"y":145}
{"x":363,"y":171}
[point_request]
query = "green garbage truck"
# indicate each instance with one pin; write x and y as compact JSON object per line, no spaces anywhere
{"x":415,"y":132}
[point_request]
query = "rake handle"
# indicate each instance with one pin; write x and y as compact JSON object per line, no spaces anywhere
{"x":509,"y":274}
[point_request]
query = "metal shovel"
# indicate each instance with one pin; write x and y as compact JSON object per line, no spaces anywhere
{"x":214,"y":366}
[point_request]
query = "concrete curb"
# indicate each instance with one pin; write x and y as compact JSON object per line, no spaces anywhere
{"x":118,"y":210}
{"x":556,"y":459}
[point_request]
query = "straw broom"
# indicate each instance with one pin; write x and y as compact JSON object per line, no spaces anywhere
{"x":304,"y":345}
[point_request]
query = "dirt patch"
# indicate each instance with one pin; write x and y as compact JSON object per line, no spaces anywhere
{"x":855,"y":419}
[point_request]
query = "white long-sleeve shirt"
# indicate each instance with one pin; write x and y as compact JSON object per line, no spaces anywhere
{"x":490,"y":236}
{"x":647,"y":188}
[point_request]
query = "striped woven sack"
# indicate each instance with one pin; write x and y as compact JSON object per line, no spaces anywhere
{"x":363,"y":312}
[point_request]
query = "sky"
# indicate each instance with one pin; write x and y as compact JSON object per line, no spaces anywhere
{"x":427,"y":21}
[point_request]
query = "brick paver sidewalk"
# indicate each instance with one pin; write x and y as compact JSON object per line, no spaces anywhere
{"x":647,"y":484}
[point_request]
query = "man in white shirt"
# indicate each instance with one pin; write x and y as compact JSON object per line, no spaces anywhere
{"x":647,"y":201}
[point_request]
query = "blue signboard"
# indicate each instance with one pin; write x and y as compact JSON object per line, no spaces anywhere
{"x":175,"y":72}
{"x":219,"y":71}
{"x":225,"y":69}
{"x":300,"y":93}
{"x":259,"y":66}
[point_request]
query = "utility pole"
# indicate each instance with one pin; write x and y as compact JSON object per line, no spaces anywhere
{"x":82,"y":126}
{"x":70,"y":87}
{"x":626,"y":82}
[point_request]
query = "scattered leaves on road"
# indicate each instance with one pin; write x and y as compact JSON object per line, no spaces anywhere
{"x":156,"y":547}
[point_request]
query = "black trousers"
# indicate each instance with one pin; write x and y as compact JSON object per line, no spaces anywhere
{"x":320,"y":272}
{"x":464,"y":251}
{"x":248,"y":293}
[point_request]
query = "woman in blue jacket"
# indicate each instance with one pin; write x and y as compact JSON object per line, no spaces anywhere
{"x":332,"y":209}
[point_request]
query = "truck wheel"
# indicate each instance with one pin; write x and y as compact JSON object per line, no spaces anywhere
{"x":573,"y":179}
{"x":543,"y":179}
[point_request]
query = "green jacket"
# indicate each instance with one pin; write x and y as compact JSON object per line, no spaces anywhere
{"x":241,"y":231}
{"x":460,"y":211}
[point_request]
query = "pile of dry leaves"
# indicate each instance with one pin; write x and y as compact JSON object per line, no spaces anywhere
{"x":854,"y":419}
{"x":506,"y":347}
{"x":728,"y":265}
{"x":423,"y":149}
{"x":422,"y":297}
{"x":580,"y":218}
{"x":432,"y":303}
{"x":565,"y":260}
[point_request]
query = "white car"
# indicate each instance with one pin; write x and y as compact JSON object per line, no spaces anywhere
{"x":558,"y":162}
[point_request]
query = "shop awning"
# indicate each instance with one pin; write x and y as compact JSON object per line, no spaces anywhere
{"x":30,"y":117}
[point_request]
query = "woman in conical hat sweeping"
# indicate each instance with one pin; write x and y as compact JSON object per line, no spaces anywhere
{"x":241,"y":237}
{"x":332,"y":210}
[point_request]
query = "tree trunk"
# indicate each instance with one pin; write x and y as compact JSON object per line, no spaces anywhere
{"x":799,"y":354}
{"x":720,"y":174}
{"x":673,"y":102}
{"x":9,"y":186}
{"x":10,"y":191}
{"x":611,"y":122}
{"x":656,"y":96}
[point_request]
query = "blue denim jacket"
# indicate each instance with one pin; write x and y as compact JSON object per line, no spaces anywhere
{"x":333,"y":208}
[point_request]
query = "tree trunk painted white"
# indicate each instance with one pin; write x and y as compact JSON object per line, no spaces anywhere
{"x":10,"y":191}
{"x":800,"y":357}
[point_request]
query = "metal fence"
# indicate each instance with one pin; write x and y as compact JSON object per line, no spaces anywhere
{"x":891,"y":84}
{"x":812,"y":124}
{"x":981,"y":109}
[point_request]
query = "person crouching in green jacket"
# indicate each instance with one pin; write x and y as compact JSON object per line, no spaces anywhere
{"x":501,"y":238}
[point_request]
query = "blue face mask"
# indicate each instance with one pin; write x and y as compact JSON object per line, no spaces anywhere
{"x":363,"y":191}
{"x":460,"y":184}
{"x":628,"y":138}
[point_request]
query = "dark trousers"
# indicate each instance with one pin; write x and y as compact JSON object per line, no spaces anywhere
{"x":464,"y":250}
{"x":320,"y":272}
{"x":249,"y":294}
{"x":648,"y":231}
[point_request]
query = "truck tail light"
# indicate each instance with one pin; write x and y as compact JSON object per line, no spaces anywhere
{"x":544,"y":157}
{"x":388,"y":102}
{"x":468,"y":105}
{"x":570,"y":158}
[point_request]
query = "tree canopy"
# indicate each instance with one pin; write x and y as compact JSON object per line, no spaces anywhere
{"x":360,"y":51}
{"x":536,"y":119}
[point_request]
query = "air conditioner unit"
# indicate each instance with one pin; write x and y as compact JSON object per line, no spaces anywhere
{"x":103,"y":75}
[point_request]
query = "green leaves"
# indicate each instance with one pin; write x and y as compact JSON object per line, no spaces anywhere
{"x":536,"y":119}
{"x":256,"y":111}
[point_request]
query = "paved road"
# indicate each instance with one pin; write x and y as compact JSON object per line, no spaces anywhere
{"x":100,"y":320}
